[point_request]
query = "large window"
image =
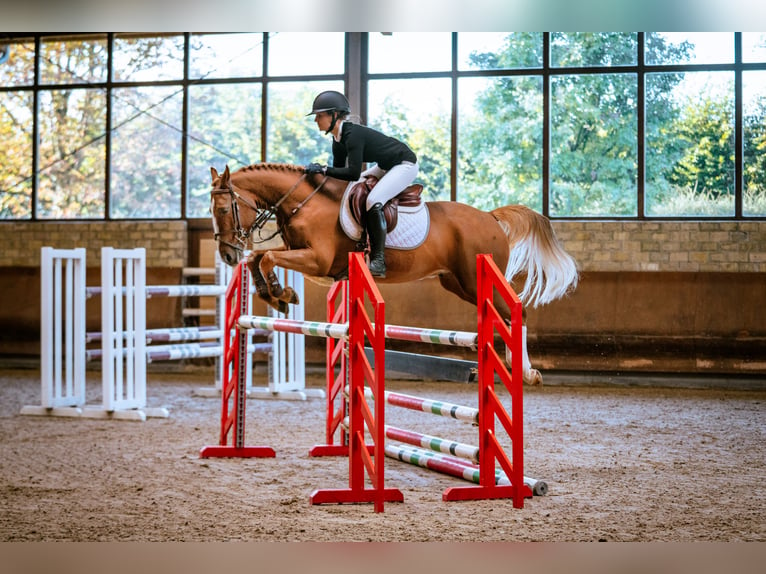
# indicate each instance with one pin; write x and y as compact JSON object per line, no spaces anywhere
{"x":575,"y":125}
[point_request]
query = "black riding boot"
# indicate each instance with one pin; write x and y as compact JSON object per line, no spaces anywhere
{"x":376,"y":229}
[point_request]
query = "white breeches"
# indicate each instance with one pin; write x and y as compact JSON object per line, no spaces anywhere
{"x":391,"y":182}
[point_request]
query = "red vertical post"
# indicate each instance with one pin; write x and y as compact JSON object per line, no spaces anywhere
{"x":234,"y":386}
{"x":361,"y":418}
{"x":491,"y":282}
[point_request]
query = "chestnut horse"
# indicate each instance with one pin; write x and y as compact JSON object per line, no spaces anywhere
{"x":307,"y":207}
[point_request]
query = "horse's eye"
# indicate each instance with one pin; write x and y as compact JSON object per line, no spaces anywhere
{"x":222,"y":210}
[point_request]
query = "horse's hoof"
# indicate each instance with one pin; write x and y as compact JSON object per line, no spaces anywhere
{"x":283,"y":307}
{"x":291,"y":296}
{"x":533,"y":377}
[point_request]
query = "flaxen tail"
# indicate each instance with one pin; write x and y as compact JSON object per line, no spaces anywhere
{"x":536,"y":251}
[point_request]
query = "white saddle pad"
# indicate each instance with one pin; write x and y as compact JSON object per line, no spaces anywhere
{"x":410,"y":231}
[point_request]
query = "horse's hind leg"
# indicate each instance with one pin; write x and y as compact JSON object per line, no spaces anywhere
{"x":530,"y":376}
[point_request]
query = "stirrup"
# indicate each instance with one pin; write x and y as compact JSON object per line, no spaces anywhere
{"x":377,"y":269}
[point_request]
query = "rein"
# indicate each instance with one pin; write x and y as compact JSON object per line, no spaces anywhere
{"x":263,"y":215}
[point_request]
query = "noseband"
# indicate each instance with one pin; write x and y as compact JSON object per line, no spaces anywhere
{"x":238,"y":233}
{"x":241,"y":234}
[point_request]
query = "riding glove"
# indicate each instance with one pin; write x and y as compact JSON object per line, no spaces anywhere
{"x":315,"y":168}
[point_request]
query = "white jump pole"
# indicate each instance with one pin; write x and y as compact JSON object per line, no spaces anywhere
{"x":62,"y":333}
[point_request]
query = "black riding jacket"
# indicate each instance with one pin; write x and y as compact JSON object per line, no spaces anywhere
{"x":359,"y":144}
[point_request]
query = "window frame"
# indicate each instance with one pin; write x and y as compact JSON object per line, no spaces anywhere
{"x":356,"y":77}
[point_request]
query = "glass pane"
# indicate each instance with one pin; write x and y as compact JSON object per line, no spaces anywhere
{"x":306,"y":53}
{"x":690,"y":144}
{"x":503,"y":50}
{"x":593,"y":165}
{"x":418,"y":112}
{"x":146,"y":153}
{"x":226,"y":56}
{"x":17,"y":62}
{"x":293,"y":137}
{"x":16,"y":155}
{"x":754,"y":46}
{"x":224,"y":128}
{"x":754,"y":97}
{"x":689,"y":48}
{"x":142,"y":58}
{"x":72,"y":154}
{"x":593,"y":49}
{"x":500,"y":142}
{"x":73,"y":60}
{"x":410,"y":52}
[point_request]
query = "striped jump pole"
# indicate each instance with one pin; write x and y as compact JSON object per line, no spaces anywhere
{"x":427,"y":450}
{"x":434,"y":443}
{"x":340,"y":330}
{"x":170,"y":290}
{"x":455,"y":467}
{"x":440,"y":408}
{"x":311,"y":328}
{"x":185,"y":351}
{"x":167,"y":335}
{"x":336,"y":359}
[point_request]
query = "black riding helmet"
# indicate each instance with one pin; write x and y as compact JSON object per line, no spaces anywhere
{"x":331,"y":101}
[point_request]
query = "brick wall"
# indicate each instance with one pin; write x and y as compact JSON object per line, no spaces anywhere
{"x":665,"y":295}
{"x":165,"y":241}
{"x":710,"y":246}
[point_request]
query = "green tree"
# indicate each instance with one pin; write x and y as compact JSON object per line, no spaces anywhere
{"x":292,"y":136}
{"x":755,"y":147}
{"x":428,"y":135}
{"x":593,"y":128}
{"x":707,"y":166}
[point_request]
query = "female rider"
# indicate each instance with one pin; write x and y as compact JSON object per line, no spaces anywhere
{"x":396,"y":165}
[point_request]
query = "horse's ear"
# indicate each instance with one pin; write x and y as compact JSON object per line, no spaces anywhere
{"x":226,"y":173}
{"x":214,"y":173}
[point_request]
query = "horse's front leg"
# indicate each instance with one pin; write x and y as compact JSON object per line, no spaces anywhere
{"x":262,"y":286}
{"x":286,"y":294}
{"x":262,"y":263}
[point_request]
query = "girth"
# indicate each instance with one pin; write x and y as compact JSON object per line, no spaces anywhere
{"x":357,"y":199}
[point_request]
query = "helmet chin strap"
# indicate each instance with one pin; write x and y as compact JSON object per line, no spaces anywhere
{"x":335,"y":116}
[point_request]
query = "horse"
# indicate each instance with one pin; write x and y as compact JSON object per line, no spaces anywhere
{"x":307,"y":207}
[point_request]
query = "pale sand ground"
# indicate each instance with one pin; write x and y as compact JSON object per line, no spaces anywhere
{"x":622,"y":464}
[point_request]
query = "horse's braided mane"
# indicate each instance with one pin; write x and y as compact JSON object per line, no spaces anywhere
{"x":287,"y":167}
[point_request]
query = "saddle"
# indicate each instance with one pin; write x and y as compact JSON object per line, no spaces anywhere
{"x":357,"y":200}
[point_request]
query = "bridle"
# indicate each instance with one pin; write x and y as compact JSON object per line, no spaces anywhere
{"x":239,"y":233}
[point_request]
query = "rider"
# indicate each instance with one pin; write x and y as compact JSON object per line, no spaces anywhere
{"x":396,"y":165}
